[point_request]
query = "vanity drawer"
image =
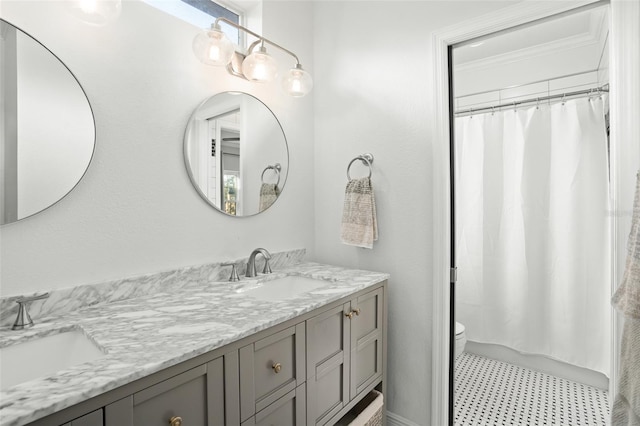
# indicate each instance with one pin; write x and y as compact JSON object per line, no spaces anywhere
{"x":201,"y":396}
{"x":91,"y":419}
{"x":289,"y":410}
{"x":271,"y":368}
{"x":182,"y":396}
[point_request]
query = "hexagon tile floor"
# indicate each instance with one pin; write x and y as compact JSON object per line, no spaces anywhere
{"x":490,"y":392}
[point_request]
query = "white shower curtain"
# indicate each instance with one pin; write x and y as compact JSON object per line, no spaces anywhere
{"x":532,"y":230}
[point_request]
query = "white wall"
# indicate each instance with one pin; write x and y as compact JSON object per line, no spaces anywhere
{"x":136,"y":211}
{"x":373,"y":76}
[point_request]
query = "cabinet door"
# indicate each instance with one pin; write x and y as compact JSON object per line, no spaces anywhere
{"x":366,"y":340}
{"x":94,"y":418}
{"x":271,"y":368}
{"x":197,"y":396}
{"x":289,"y":410}
{"x":328,"y":355}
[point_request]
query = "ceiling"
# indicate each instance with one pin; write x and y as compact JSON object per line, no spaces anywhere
{"x":567,"y":45}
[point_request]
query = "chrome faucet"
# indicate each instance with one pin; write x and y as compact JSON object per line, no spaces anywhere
{"x":251,"y":264}
{"x":23,"y":320}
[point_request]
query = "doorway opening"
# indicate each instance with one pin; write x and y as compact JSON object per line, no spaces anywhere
{"x":531,"y":234}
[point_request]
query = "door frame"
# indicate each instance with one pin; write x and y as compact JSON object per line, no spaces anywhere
{"x":625,"y":158}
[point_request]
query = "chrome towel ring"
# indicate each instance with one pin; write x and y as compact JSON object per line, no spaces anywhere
{"x":276,"y":168}
{"x":367,"y":160}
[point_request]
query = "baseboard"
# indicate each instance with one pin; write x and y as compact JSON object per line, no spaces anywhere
{"x":396,"y":420}
{"x":540,"y":363}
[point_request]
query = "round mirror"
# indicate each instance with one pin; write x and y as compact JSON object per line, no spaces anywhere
{"x":48,"y":131}
{"x":236,"y":154}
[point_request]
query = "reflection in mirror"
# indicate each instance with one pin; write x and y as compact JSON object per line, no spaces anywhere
{"x":236,"y":154}
{"x":48,"y":132}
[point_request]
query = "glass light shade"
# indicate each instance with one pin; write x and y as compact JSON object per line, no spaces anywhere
{"x":96,"y":12}
{"x":297,"y":82}
{"x":260,"y":66}
{"x":212,"y":47}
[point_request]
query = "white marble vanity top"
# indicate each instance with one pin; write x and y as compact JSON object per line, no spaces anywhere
{"x":194,"y":319}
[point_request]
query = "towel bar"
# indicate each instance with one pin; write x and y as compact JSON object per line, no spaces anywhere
{"x":276,"y":167}
{"x":366,"y":159}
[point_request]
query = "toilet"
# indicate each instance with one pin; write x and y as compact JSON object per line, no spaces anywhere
{"x":461,"y":339}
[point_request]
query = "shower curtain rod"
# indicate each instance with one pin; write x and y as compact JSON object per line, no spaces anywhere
{"x":592,"y":91}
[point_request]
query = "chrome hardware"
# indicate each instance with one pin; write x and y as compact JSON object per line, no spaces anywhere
{"x":276,"y":168}
{"x":175,"y":421}
{"x":277,"y":367}
{"x":349,"y":315}
{"x":234,"y":273}
{"x":23,"y":320}
{"x":367,"y":160}
{"x":251,"y":264}
{"x":453,"y":275}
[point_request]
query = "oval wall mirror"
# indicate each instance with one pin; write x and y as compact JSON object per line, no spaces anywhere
{"x":48,"y":130}
{"x":236,"y":154}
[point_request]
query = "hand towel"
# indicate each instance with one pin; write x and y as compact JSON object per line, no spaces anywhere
{"x":269,"y":193}
{"x":359,"y":223}
{"x":627,"y":297}
{"x":626,"y":405}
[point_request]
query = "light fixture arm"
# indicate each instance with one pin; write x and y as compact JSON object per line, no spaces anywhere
{"x":260,"y":38}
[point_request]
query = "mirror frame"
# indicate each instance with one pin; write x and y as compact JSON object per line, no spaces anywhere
{"x":93,"y":116}
{"x":185,"y":149}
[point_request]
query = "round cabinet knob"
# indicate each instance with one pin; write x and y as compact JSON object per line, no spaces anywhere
{"x":356,"y":311}
{"x":277,"y":367}
{"x":175,"y":421}
{"x":349,"y":315}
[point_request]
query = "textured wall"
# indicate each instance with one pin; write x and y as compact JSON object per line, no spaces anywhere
{"x":136,"y":211}
{"x":374,"y":70}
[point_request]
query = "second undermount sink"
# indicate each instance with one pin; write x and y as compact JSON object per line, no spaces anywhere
{"x":282,"y":288}
{"x":39,"y":357}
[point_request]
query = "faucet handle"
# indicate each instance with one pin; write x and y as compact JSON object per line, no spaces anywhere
{"x":23,"y":320}
{"x":28,"y":299}
{"x":234,"y":272}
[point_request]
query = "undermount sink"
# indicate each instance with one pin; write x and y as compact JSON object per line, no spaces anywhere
{"x":282,"y":288}
{"x":39,"y":357}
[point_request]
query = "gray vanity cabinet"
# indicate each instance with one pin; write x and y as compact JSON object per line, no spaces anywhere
{"x":344,"y":355}
{"x":309,"y":370}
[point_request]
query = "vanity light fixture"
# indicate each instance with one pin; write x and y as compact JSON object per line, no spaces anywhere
{"x":212,"y":47}
{"x":96,"y":12}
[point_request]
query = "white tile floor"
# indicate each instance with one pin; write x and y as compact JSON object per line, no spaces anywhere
{"x":490,"y":392}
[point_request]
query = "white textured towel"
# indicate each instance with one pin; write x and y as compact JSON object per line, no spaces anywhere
{"x":359,"y":223}
{"x":626,"y":406}
{"x":627,"y":296}
{"x":269,"y":193}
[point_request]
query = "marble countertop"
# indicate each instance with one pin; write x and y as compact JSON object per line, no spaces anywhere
{"x":133,"y":333}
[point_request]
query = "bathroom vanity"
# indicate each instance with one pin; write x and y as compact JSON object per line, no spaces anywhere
{"x":257,"y":352}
